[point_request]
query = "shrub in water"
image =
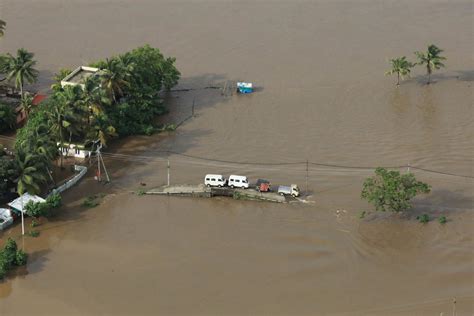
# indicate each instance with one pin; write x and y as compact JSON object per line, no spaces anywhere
{"x":425,"y":218}
{"x":442,"y":219}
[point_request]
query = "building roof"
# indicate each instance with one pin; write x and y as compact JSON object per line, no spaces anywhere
{"x":38,"y":98}
{"x":78,"y":76}
{"x":20,"y":203}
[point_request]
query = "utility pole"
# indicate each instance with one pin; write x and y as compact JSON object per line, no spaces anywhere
{"x":307,"y":175}
{"x":168,"y":171}
{"x":22,"y":217}
{"x":100,"y":160}
{"x":408,"y":168}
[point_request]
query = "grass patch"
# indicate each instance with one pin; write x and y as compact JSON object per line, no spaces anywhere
{"x":425,"y":218}
{"x":140,"y":192}
{"x":362,"y":214}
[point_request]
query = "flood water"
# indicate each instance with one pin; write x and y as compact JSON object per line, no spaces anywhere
{"x":322,"y":97}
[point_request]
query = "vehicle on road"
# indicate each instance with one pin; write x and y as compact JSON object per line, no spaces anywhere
{"x":262,"y":185}
{"x":292,"y":190}
{"x":215,"y":180}
{"x":238,"y":182}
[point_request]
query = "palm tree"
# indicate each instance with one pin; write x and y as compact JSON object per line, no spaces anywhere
{"x":20,"y":68}
{"x":94,"y":96}
{"x":2,"y":27}
{"x":63,"y":117}
{"x":400,"y":66}
{"x":431,"y":58}
{"x":115,"y":77}
{"x":58,"y":77}
{"x":26,"y":104}
{"x":31,"y":173}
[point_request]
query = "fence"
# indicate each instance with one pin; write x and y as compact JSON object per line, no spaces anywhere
{"x":69,"y":183}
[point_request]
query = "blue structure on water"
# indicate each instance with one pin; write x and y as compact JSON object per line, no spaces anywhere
{"x":244,"y":87}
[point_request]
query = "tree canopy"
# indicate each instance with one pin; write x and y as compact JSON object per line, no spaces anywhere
{"x":431,"y":58}
{"x":392,"y":191}
{"x":400,"y":66}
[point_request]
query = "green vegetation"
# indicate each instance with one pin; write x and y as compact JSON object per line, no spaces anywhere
{"x":19,"y":69}
{"x":122,"y":99}
{"x":8,"y":174}
{"x":442,"y":219}
{"x":425,"y":218}
{"x":400,"y":66}
{"x":431,"y":59}
{"x":33,"y":233}
{"x":10,"y":257}
{"x":390,"y":190}
{"x":93,"y":200}
{"x":34,"y":223}
{"x":362,"y":214}
{"x":2,"y":27}
{"x":7,"y":117}
{"x":140,"y":192}
{"x":43,"y":208}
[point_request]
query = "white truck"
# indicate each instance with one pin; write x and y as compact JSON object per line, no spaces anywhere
{"x":292,"y":190}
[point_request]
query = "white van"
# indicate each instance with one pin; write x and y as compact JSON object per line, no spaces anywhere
{"x":215,"y":180}
{"x":238,"y":182}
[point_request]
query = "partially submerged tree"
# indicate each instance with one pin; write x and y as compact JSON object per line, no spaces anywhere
{"x":392,"y":191}
{"x":431,"y":58}
{"x":400,"y":66}
{"x":20,"y":69}
{"x":2,"y":27}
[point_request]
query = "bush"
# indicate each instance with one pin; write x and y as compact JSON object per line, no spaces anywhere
{"x":90,"y":201}
{"x":11,"y":256}
{"x":362,"y":214}
{"x":21,"y":258}
{"x":7,"y":117}
{"x":38,"y":209}
{"x":425,"y":218}
{"x":442,"y":219}
{"x":33,"y":233}
{"x":54,"y":200}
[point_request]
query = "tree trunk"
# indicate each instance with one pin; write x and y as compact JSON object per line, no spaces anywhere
{"x":398,"y":78}
{"x":21,"y":89}
{"x":428,"y":68}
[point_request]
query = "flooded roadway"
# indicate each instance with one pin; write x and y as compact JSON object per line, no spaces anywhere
{"x":322,"y":98}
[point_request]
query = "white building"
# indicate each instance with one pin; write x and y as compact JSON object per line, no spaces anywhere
{"x":73,"y":150}
{"x":78,"y":76}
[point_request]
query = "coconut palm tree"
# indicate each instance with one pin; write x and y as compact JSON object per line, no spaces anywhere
{"x":58,"y":77}
{"x":94,"y":96}
{"x":400,"y":66}
{"x":2,"y":27}
{"x":31,"y":172}
{"x":431,"y":58}
{"x":63,"y":118}
{"x":20,"y":68}
{"x":114,"y":78}
{"x":26,"y":104}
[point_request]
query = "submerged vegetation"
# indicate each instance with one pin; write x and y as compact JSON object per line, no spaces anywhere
{"x":400,"y":66}
{"x":392,"y":191}
{"x":10,"y":257}
{"x":431,"y":59}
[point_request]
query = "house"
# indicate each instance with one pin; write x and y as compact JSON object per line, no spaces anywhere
{"x":21,"y":115}
{"x":78,"y":76}
{"x":74,"y":150}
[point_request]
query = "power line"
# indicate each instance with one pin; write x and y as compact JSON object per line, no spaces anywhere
{"x":148,"y":158}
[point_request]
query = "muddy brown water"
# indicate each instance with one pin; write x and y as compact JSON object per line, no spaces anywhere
{"x":322,"y":97}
